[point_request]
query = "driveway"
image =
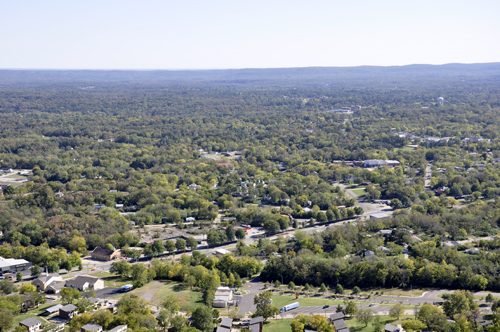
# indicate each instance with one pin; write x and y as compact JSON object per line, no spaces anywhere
{"x":107,"y":292}
{"x":245,"y":302}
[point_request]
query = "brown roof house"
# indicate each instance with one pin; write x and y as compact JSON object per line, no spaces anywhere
{"x":31,"y":324}
{"x":83,"y":283}
{"x":102,"y":254}
{"x":42,"y":282}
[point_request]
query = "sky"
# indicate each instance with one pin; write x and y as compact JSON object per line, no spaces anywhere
{"x":220,"y":34}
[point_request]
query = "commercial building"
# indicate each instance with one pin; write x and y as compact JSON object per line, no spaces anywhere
{"x":103,"y":254}
{"x":13,"y":265}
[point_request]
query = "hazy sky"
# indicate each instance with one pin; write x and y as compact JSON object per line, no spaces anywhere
{"x":186,"y":34}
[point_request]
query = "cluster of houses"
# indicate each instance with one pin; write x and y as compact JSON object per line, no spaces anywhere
{"x":33,"y":324}
{"x":256,"y":324}
{"x":53,"y":283}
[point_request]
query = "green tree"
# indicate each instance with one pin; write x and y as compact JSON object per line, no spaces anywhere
{"x":180,"y":244}
{"x":19,"y":276}
{"x":170,"y":245}
{"x":69,"y":295}
{"x":291,"y":285}
{"x":240,"y":234}
{"x":202,"y":319}
{"x":377,"y":324}
{"x":52,"y":267}
{"x":489,"y":298}
{"x":230,"y":233}
{"x":350,"y":308}
{"x":339,"y":289}
{"x":35,"y":271}
{"x":396,"y":310}
{"x":6,"y":318}
{"x":412,"y":325}
{"x":263,"y":302}
{"x":323,"y":288}
{"x":191,"y":243}
{"x":460,"y":302}
{"x":356,"y":290}
{"x":365,"y":316}
{"x":271,"y":227}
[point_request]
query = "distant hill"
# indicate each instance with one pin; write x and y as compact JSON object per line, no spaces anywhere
{"x":347,"y":76}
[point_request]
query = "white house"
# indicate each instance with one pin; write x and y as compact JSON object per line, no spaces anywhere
{"x":32,"y":324}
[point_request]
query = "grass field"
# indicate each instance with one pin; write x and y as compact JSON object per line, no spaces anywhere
{"x":32,"y":313}
{"x":415,"y":292}
{"x":359,"y":191}
{"x":110,"y":279}
{"x":283,"y":325}
{"x":157,"y":291}
{"x":406,"y":148}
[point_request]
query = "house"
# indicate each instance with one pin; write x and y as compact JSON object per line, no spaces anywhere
{"x":13,"y":265}
{"x":441,"y":190}
{"x":472,"y":251}
{"x":118,"y":206}
{"x":369,"y":253}
{"x":226,"y":322}
{"x":190,"y":219}
{"x":102,"y":254}
{"x":112,"y":308}
{"x":31,"y":324}
{"x":113,"y":191}
{"x":59,"y":194}
{"x":385,"y":232}
{"x":52,"y":310}
{"x":380,"y":215}
{"x":6,"y":170}
{"x":83,"y":282}
{"x":393,"y":163}
{"x":91,"y":327}
{"x":257,"y":321}
{"x":336,"y":316}
{"x":193,"y":186}
{"x":119,"y":328}
{"x":55,"y":287}
{"x":339,"y":325}
{"x":42,"y":282}
{"x":222,"y":296}
{"x":391,"y":328}
{"x":68,"y":311}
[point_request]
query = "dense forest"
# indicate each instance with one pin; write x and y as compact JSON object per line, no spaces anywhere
{"x":105,"y":149}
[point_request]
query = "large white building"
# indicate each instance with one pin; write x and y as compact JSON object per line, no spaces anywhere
{"x":12,"y":264}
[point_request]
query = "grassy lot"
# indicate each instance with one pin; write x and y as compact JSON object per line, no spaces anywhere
{"x":278,"y":325}
{"x":111,"y":279}
{"x":359,"y":191}
{"x":415,"y":292}
{"x":157,"y":291}
{"x":32,"y":313}
{"x":406,"y":148}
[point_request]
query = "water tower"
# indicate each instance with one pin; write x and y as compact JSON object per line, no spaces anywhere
{"x":440,"y":101}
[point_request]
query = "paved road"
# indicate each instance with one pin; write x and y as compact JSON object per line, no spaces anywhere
{"x":427,"y":179}
{"x":245,"y":302}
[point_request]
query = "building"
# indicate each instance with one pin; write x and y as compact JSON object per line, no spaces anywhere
{"x":391,"y":328}
{"x":374,"y":163}
{"x":222,"y":329}
{"x":221,"y":252}
{"x":257,"y":322}
{"x":393,"y":163}
{"x":226,"y":322}
{"x":68,"y":311}
{"x":190,"y":219}
{"x":13,"y":265}
{"x":385,"y":232}
{"x":6,"y":170}
{"x":119,"y":328}
{"x":380,"y":215}
{"x":336,"y":316}
{"x":91,"y":327}
{"x":52,"y":310}
{"x":102,"y":254}
{"x":41,"y":283}
{"x":59,"y":194}
{"x":472,"y":251}
{"x":31,"y":324}
{"x":340,"y":325}
{"x":55,"y":287}
{"x":83,"y":282}
{"x":222,"y":296}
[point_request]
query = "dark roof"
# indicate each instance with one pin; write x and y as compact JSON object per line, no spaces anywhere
{"x":68,"y":308}
{"x":223,"y":329}
{"x":339,"y":324}
{"x":391,"y":328}
{"x":119,"y":327}
{"x":102,"y":251}
{"x":254,"y":328}
{"x":92,"y":327}
{"x":226,"y":322}
{"x":256,"y":320}
{"x":30,"y":322}
{"x":336,"y":316}
{"x":57,"y":285}
{"x":93,"y":300}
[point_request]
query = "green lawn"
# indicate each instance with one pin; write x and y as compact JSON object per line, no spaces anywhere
{"x":406,"y":148}
{"x":32,"y":313}
{"x":111,"y":279}
{"x":157,"y":291}
{"x":278,"y":325}
{"x":359,"y":191}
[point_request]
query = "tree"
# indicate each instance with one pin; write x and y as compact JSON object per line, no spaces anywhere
{"x":191,"y":243}
{"x":240,"y":234}
{"x":489,"y":298}
{"x":350,"y":308}
{"x":103,"y":317}
{"x":69,"y":295}
{"x":19,"y":276}
{"x":433,"y":317}
{"x":396,"y":310}
{"x":52,"y":267}
{"x":323,"y":288}
{"x":180,"y":244}
{"x":170,"y":245}
{"x":27,"y":288}
{"x":271,"y":227}
{"x":460,"y":302}
{"x":356,"y":290}
{"x":139,"y":275}
{"x":157,"y":248}
{"x":230,"y":233}
{"x":6,"y":319}
{"x":202,"y":319}
{"x":284,"y":223}
{"x":377,"y":324}
{"x":35,"y":271}
{"x":412,"y":325}
{"x":365,"y":316}
{"x":291,"y":285}
{"x":339,"y":289}
{"x":396,"y":203}
{"x":263,"y":302}
{"x":171,"y":306}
